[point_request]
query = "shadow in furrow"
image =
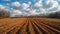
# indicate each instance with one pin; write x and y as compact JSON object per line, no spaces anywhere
{"x":28,"y":32}
{"x":51,"y":25}
{"x":34,"y":28}
{"x":51,"y":28}
{"x":54,"y":30}
{"x":45,"y":28}
{"x":15,"y":29}
{"x":41,"y":29}
{"x":20,"y":29}
{"x":11,"y":29}
{"x":58,"y":28}
{"x":31,"y":29}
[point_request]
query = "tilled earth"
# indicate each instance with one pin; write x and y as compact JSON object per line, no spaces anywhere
{"x":28,"y":26}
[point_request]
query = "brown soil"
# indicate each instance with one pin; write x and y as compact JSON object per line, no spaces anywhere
{"x":28,"y":26}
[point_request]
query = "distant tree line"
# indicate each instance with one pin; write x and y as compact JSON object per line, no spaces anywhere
{"x":54,"y":15}
{"x":4,"y":14}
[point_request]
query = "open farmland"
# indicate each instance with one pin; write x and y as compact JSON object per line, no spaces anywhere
{"x":29,"y":26}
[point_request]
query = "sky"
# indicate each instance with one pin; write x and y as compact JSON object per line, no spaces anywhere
{"x":30,"y":7}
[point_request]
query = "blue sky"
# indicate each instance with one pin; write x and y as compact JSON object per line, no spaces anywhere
{"x":30,"y":7}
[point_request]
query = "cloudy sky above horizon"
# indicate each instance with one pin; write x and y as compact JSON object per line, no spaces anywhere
{"x":30,"y":7}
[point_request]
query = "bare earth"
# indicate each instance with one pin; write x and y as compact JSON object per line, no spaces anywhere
{"x":29,"y":26}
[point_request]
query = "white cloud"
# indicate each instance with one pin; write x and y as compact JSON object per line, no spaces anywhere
{"x":51,"y":4}
{"x":38,"y":4}
{"x":38,"y":7}
{"x":29,"y":3}
{"x":58,"y":8}
{"x":25,"y":6}
{"x":2,"y":7}
{"x":33,"y":12}
{"x":54,"y":4}
{"x":28,"y":9}
{"x":47,"y":2}
{"x":17,"y":12}
{"x":16,"y":4}
{"x":22,"y":7}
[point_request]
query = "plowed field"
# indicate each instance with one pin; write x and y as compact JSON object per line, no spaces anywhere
{"x":29,"y":26}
